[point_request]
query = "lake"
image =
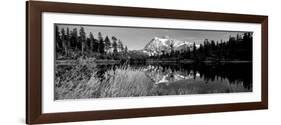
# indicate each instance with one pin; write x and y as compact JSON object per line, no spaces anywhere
{"x":150,"y":79}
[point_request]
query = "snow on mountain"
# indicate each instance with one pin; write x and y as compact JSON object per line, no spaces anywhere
{"x":159,"y":45}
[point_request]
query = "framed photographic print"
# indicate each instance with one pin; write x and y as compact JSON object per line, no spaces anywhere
{"x":94,"y":62}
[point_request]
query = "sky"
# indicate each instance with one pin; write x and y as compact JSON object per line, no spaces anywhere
{"x":135,"y":38}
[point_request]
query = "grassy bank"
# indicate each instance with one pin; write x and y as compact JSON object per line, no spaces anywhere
{"x":121,"y":82}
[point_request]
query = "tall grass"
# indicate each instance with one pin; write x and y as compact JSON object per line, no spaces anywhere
{"x":121,"y":82}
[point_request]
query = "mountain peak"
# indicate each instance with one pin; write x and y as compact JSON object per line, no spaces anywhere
{"x":158,"y":45}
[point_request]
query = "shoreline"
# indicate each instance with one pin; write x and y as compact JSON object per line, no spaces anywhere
{"x":99,"y":61}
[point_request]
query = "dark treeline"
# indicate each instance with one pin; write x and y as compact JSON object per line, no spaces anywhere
{"x":236,"y":48}
{"x":73,"y":44}
{"x":76,"y":43}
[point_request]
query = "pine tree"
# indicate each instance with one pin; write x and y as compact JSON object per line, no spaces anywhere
{"x":120,"y":46}
{"x":92,"y":43}
{"x":126,"y":49}
{"x":58,"y":39}
{"x":82,"y":39}
{"x":64,"y":42}
{"x":194,"y":51}
{"x":67,"y":40}
{"x":101,"y":43}
{"x":88,"y":45}
{"x":107,"y":44}
{"x":74,"y":39}
{"x":114,"y":44}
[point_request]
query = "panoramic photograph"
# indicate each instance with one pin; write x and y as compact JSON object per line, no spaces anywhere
{"x":94,"y":61}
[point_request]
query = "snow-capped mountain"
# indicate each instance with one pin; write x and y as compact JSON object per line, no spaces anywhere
{"x":159,"y":45}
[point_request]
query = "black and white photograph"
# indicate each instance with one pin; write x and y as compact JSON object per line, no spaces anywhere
{"x":95,"y":61}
